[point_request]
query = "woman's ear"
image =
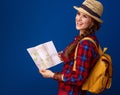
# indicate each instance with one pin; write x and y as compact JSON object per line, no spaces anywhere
{"x":91,"y":25}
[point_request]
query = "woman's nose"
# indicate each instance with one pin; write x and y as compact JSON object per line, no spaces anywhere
{"x":79,"y":18}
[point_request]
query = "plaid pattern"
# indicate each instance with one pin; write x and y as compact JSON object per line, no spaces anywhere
{"x":87,"y":55}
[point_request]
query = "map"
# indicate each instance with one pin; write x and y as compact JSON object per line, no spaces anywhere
{"x":44,"y":55}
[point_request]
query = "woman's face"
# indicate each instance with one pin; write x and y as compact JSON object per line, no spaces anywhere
{"x":83,"y":21}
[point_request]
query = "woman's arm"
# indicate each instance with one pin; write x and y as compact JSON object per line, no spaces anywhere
{"x":83,"y":62}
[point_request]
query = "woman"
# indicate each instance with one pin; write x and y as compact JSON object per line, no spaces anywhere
{"x":87,"y":22}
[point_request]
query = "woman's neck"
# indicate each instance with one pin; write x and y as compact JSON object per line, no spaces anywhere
{"x":81,"y":32}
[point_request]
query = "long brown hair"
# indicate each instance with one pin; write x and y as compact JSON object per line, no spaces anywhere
{"x":96,"y":26}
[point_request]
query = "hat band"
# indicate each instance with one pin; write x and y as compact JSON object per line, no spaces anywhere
{"x":90,"y":11}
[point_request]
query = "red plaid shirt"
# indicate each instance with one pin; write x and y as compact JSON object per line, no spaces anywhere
{"x":87,"y":55}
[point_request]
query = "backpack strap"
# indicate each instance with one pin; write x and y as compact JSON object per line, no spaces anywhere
{"x":99,"y":48}
{"x":101,"y":52}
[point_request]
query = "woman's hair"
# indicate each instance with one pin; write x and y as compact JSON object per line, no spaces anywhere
{"x":95,"y":27}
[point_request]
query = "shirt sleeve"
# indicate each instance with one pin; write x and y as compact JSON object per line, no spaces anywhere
{"x":83,"y":62}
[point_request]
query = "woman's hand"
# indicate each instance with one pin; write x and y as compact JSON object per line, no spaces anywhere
{"x":46,"y":73}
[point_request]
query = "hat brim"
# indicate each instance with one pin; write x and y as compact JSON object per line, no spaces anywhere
{"x":84,"y":11}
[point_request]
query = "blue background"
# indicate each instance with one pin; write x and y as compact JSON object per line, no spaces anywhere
{"x":26,"y":23}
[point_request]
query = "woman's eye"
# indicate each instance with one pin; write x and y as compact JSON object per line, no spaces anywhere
{"x":85,"y":16}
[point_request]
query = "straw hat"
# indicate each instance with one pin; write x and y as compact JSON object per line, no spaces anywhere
{"x":93,"y":8}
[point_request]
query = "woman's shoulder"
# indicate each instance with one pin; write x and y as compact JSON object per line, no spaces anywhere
{"x":88,"y":42}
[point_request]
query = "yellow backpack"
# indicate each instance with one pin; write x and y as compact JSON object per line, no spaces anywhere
{"x":100,"y":77}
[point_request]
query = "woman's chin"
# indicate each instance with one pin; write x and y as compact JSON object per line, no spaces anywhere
{"x":77,"y":28}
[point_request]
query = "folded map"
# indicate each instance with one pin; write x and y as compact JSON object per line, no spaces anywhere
{"x":44,"y":55}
